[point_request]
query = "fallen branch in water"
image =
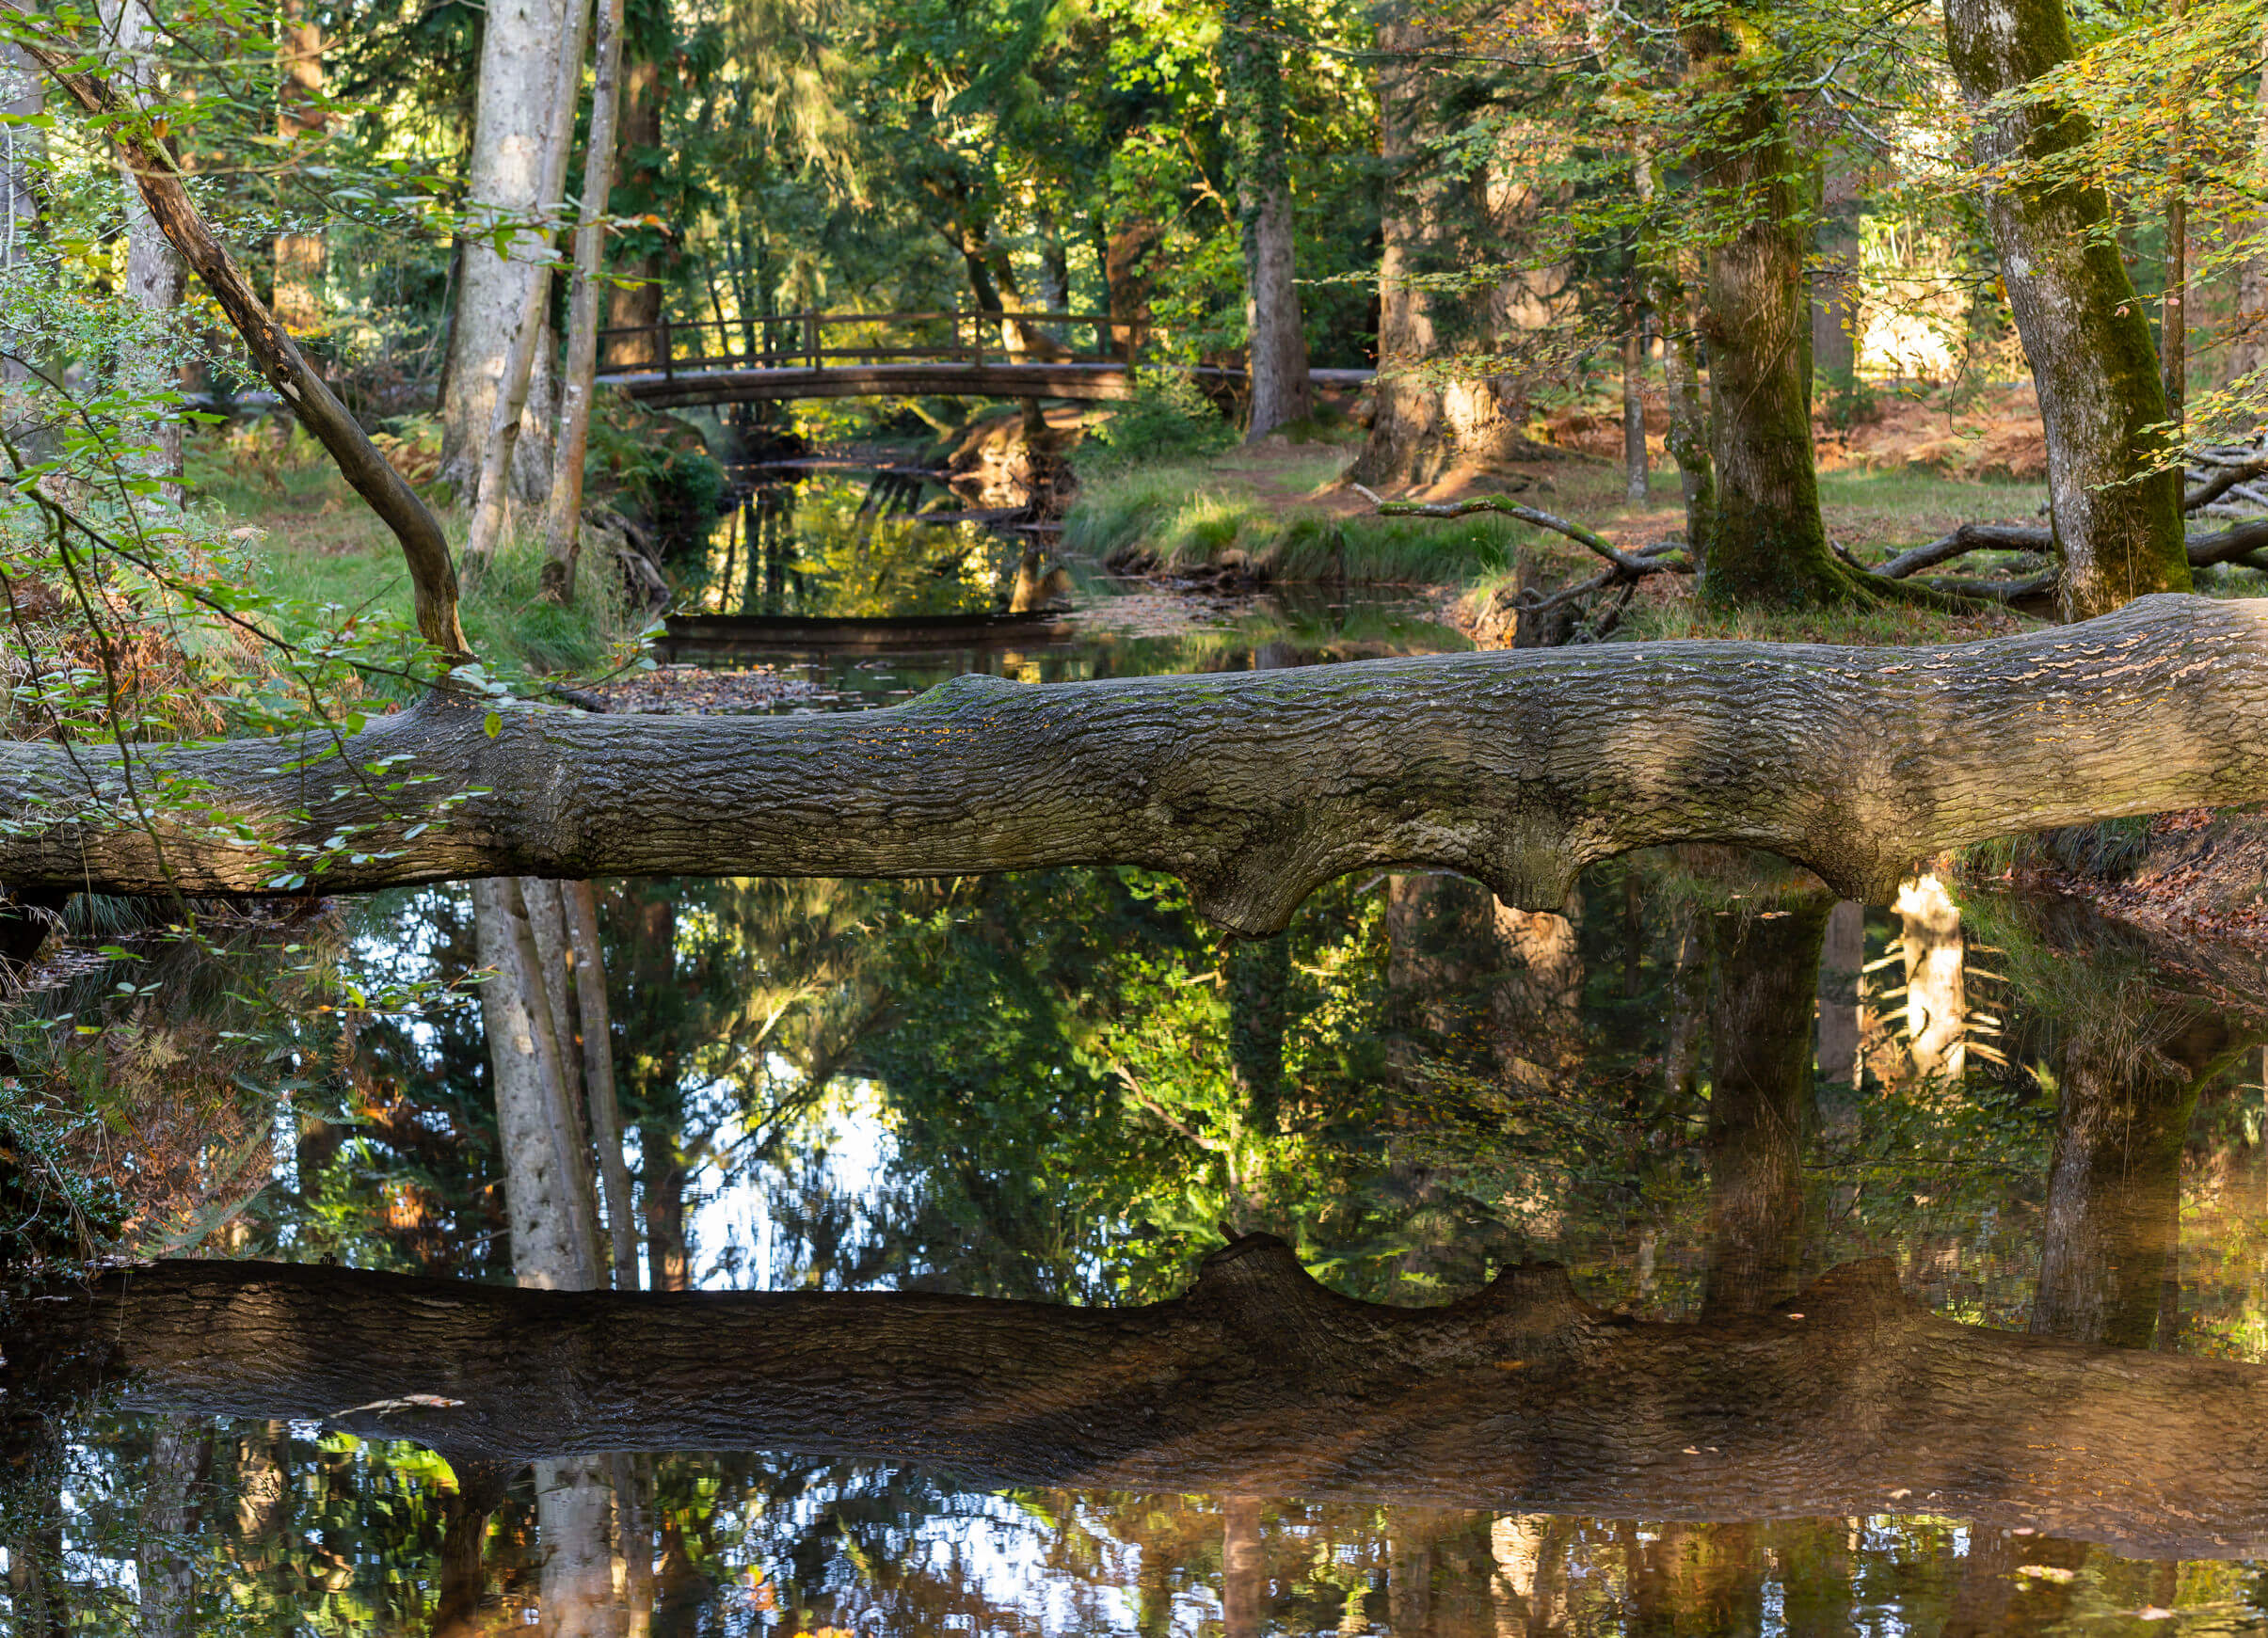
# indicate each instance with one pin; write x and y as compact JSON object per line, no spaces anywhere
{"x":1847,"y":1400}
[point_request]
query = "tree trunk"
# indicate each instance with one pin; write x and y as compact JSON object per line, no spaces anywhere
{"x":22,"y":155}
{"x":547,"y":1187}
{"x":1937,"y":991}
{"x":1769,"y":547}
{"x":1763,"y":979}
{"x":582,"y":909}
{"x":299,"y":257}
{"x":2117,"y":528}
{"x":1259,"y":978}
{"x":463,"y":1579}
{"x":1422,"y":428}
{"x":2127,"y":1084}
{"x":155,"y":279}
{"x":1633,"y":410}
{"x":1835,"y":285}
{"x":1840,"y":960}
{"x":563,"y":512}
{"x":425,"y":549}
{"x":1252,"y":75}
{"x":1537,"y":1011}
{"x":181,"y":1472}
{"x":1258,"y":1383}
{"x":634,"y":303}
{"x":1516,"y":767}
{"x":2248,"y":350}
{"x":1125,"y":255}
{"x":521,"y":47}
{"x":527,"y":361}
{"x":1243,"y":1568}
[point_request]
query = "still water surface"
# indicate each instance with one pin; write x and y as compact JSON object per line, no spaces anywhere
{"x":1699,"y":1090}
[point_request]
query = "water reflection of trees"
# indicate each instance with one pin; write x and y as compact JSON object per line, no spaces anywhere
{"x":1075,"y":1078}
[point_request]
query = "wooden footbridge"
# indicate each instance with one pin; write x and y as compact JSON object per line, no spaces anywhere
{"x":812,"y":354}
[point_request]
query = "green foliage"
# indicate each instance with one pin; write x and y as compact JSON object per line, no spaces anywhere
{"x":1168,"y":420}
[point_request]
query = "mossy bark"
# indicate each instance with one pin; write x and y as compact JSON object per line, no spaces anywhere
{"x":2118,"y":525}
{"x":1770,"y":546}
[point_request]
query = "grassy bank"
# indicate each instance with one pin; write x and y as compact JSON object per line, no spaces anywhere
{"x":1259,"y":513}
{"x":314,"y":543}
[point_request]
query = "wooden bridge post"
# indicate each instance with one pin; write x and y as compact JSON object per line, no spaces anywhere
{"x":669,"y":352}
{"x":812,"y":339}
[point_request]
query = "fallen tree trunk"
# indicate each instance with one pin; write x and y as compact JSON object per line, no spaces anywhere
{"x":1516,"y":767}
{"x":1848,"y":1400}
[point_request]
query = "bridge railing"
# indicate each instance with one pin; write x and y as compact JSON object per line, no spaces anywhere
{"x":803,"y":341}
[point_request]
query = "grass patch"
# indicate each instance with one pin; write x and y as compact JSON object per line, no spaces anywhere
{"x":1211,"y":515}
{"x":315,"y":541}
{"x":1870,"y":626}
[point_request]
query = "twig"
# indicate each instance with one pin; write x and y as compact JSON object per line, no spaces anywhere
{"x":1590,"y":540}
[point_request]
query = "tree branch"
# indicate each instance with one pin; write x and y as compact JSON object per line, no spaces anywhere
{"x":1517,"y":766}
{"x":432,"y":575}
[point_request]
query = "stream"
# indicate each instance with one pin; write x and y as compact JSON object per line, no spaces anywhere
{"x":1699,"y":1090}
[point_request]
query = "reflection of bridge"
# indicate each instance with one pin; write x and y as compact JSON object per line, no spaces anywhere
{"x":970,"y":355}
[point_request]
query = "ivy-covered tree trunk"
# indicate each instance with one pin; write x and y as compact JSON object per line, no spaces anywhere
{"x":1252,"y":70}
{"x":2118,"y":525}
{"x":1770,"y":546}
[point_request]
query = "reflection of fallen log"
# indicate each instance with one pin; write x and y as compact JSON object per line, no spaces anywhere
{"x":1849,"y":1400}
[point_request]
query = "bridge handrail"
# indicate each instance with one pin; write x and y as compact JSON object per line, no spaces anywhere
{"x":806,"y":351}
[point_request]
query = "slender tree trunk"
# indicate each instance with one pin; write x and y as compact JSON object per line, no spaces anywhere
{"x":547,"y":1187}
{"x":156,"y":277}
{"x":2117,"y":526}
{"x":1770,"y":546}
{"x":1421,"y":427}
{"x":1633,"y":409}
{"x":1671,"y":294}
{"x":23,"y":155}
{"x":521,"y":43}
{"x":1764,"y":983}
{"x":299,"y":257}
{"x":521,"y":932}
{"x":634,"y":303}
{"x":532,"y":340}
{"x":2173,"y":309}
{"x":466,"y":1509}
{"x":582,"y":907}
{"x":562,"y":515}
{"x":1259,"y":980}
{"x":1835,"y":286}
{"x":2249,"y":351}
{"x":1252,"y":71}
{"x":1840,"y":960}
